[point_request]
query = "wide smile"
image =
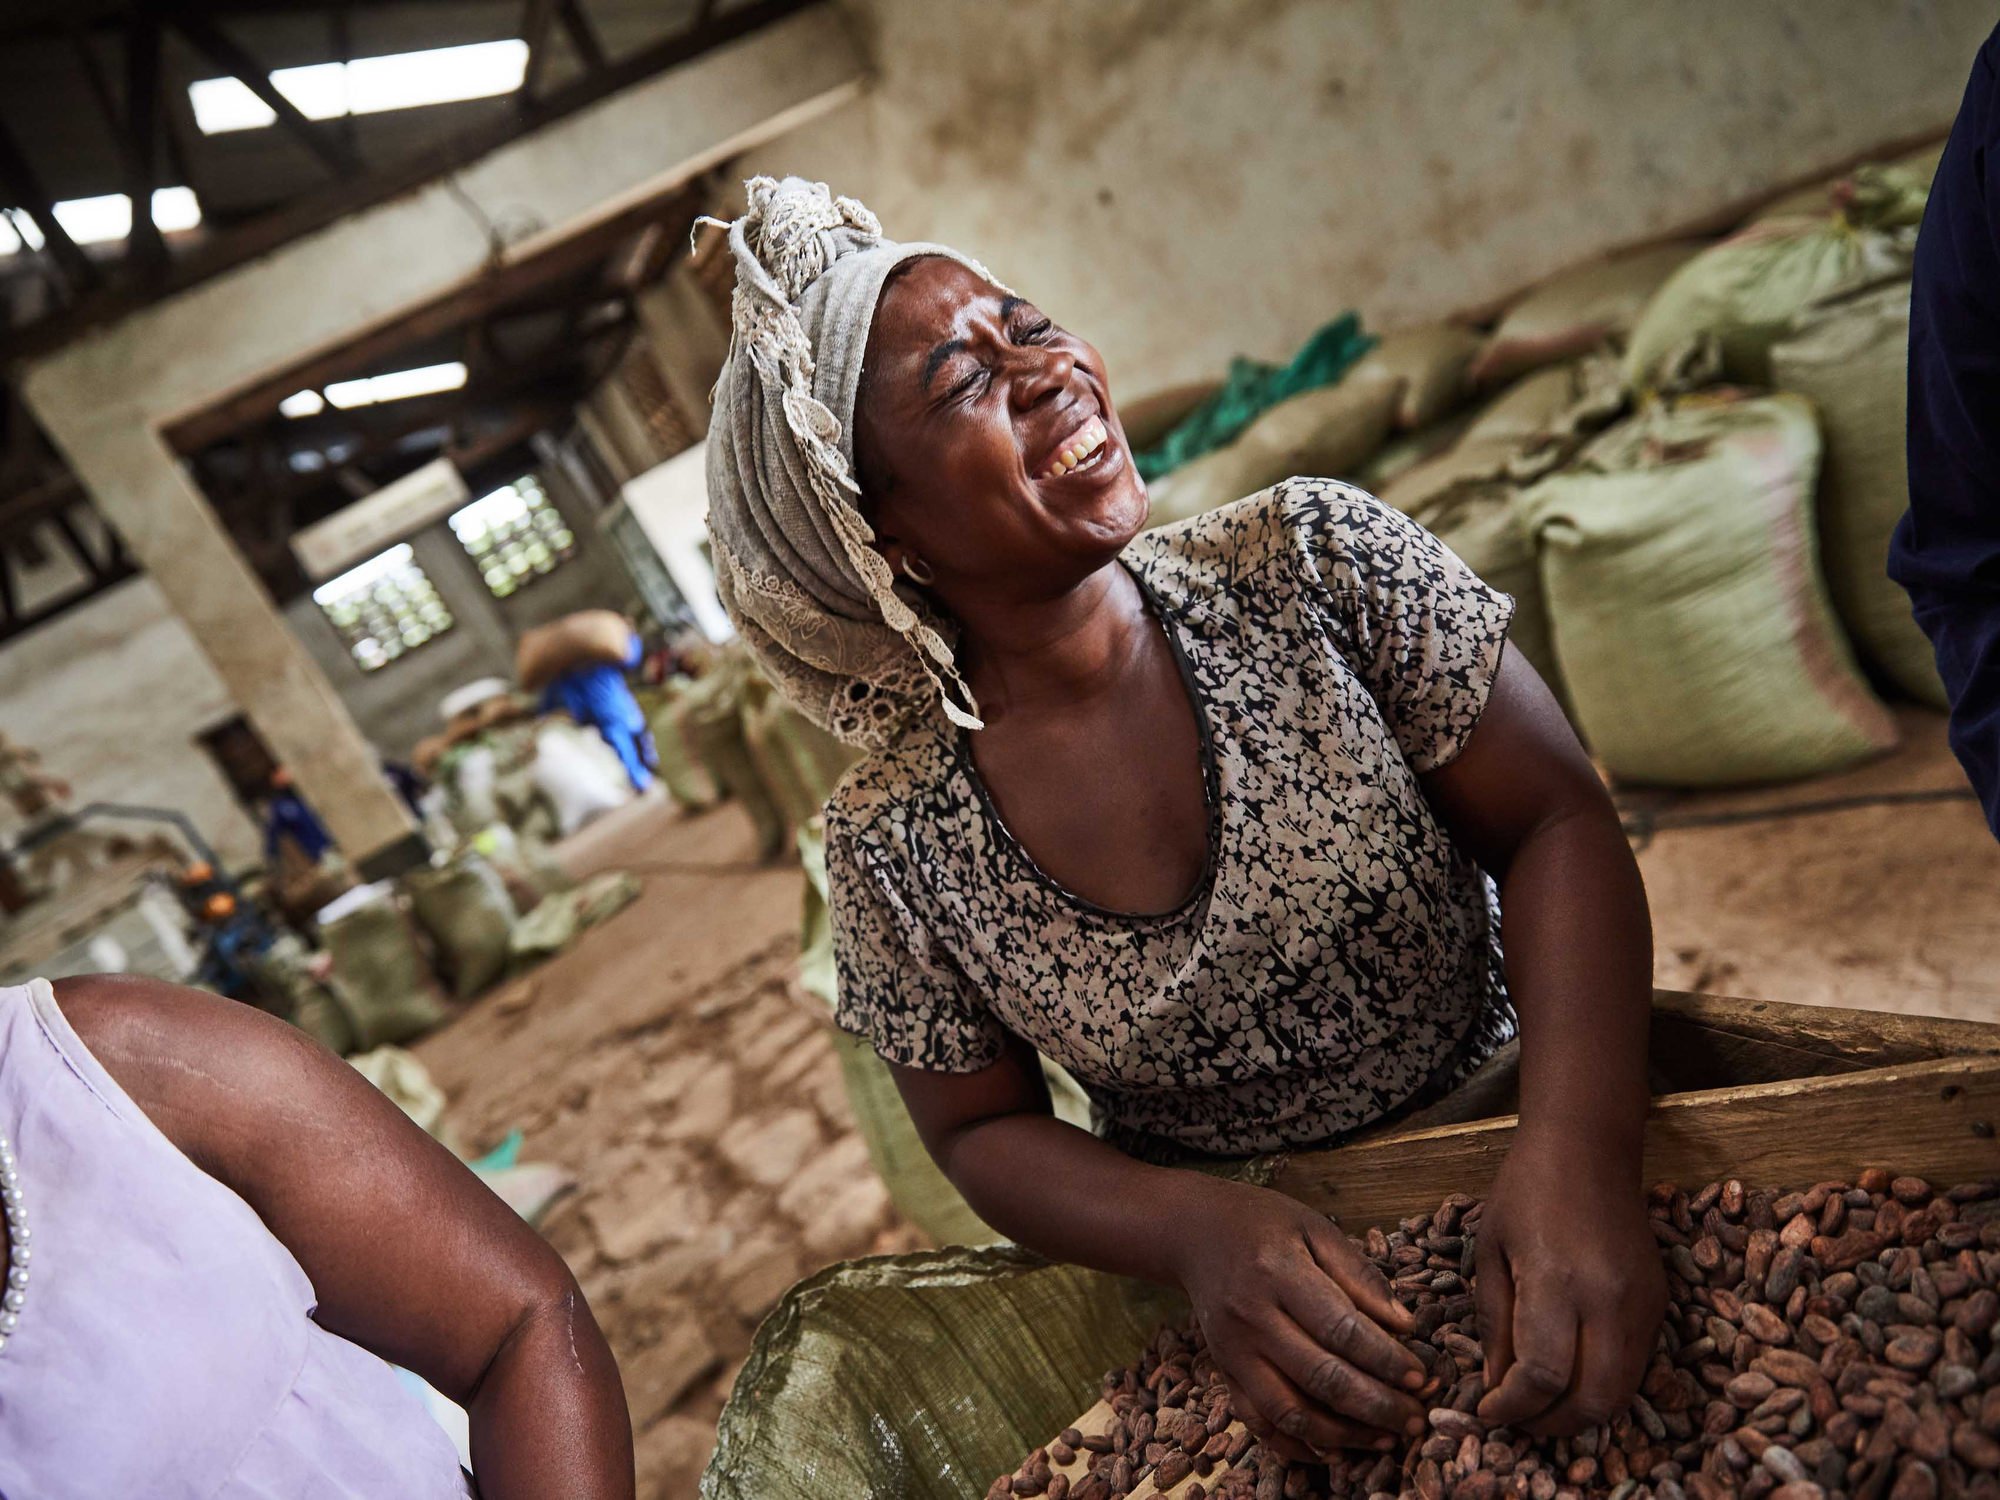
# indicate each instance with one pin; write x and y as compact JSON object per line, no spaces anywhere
{"x":1081,"y":452}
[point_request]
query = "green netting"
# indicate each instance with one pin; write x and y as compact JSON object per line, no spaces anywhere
{"x":1680,"y":564}
{"x":1251,"y":388}
{"x":466,"y":912}
{"x":1851,"y":360}
{"x":921,"y":1377}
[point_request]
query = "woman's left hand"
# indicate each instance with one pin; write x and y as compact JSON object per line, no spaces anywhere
{"x":1571,"y":1290}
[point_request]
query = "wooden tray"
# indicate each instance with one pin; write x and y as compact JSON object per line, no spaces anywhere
{"x":1780,"y":1095}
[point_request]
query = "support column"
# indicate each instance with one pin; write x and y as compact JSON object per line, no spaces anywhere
{"x":140,"y":488}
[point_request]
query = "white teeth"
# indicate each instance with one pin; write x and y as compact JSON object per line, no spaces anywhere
{"x":1086,"y":444}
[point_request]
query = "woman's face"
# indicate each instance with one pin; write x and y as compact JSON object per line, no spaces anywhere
{"x":987,"y":442}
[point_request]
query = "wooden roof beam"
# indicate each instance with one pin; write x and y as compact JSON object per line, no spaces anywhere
{"x":226,"y":53}
{"x":24,"y":187}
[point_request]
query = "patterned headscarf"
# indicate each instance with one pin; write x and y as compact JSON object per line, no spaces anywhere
{"x":795,"y":564}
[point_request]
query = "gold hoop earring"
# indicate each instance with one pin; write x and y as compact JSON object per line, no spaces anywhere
{"x":918,"y":571}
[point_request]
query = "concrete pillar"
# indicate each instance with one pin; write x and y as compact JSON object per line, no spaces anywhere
{"x":144,"y":491}
{"x":105,"y":399}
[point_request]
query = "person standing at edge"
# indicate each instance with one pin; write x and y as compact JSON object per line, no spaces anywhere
{"x":1203,"y":814}
{"x":1946,"y":550}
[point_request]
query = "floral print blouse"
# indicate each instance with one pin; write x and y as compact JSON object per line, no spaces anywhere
{"x":1340,"y":955}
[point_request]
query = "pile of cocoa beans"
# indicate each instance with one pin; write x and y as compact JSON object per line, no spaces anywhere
{"x":1838,"y":1343}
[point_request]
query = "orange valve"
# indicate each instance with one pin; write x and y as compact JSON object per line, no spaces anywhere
{"x":218,"y":907}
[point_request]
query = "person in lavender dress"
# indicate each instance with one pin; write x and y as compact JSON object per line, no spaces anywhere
{"x":217,"y":1233}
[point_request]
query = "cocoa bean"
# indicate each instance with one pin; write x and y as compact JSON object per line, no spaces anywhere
{"x":1910,"y":1190}
{"x":1764,"y":1325}
{"x":1975,"y":1449}
{"x":1851,"y":1331}
{"x":1783,"y":1279}
{"x":1748,"y":1389}
{"x":1916,"y":1350}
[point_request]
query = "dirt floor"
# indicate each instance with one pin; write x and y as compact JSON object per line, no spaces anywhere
{"x":1878,"y":888}
{"x":664,"y":1060}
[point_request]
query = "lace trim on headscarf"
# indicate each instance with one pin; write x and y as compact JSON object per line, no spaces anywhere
{"x":782,"y":233}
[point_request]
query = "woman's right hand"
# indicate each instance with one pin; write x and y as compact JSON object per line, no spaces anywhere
{"x":1300,"y":1323}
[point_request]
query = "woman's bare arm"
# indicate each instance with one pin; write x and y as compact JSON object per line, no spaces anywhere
{"x":411,"y":1256}
{"x":1297,"y":1318}
{"x":1569,"y":1306}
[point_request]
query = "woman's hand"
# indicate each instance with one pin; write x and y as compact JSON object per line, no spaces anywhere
{"x":1299,"y":1322}
{"x":1571,"y":1291}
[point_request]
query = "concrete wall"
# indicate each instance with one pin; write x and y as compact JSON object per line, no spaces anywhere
{"x":397,"y":706}
{"x":1182,"y":180}
{"x":112,"y":695}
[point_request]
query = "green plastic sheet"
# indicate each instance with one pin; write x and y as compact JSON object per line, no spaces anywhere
{"x":1253,"y":387}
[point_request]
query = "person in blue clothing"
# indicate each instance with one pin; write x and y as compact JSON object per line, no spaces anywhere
{"x":287,"y":815}
{"x":1946,"y":550}
{"x":596,"y":695}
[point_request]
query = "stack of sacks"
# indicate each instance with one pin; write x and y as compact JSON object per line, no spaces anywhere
{"x":1850,"y":359}
{"x":1910,"y":175}
{"x":1327,"y":432}
{"x":1747,"y":291}
{"x":709,"y":717}
{"x":1578,"y":311}
{"x":1466,"y":494}
{"x":1680,"y":563}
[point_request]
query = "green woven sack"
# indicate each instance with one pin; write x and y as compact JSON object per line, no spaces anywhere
{"x":466,"y":912}
{"x":283,"y":975}
{"x":797,"y":760}
{"x":381,"y":975}
{"x":1746,"y":291}
{"x":714,"y":725}
{"x":682,"y":775}
{"x":921,"y":1377}
{"x":1851,"y":360}
{"x":1679,"y":561}
{"x":1326,"y":432}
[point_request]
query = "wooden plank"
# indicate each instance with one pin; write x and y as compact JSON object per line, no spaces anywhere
{"x":1707,"y":1041}
{"x":1934,"y":1119}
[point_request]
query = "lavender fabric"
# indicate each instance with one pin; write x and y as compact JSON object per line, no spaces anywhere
{"x":166,"y":1347}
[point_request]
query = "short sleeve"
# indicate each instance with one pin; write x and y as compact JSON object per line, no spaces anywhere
{"x":1421,"y":629}
{"x":894,"y":986}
